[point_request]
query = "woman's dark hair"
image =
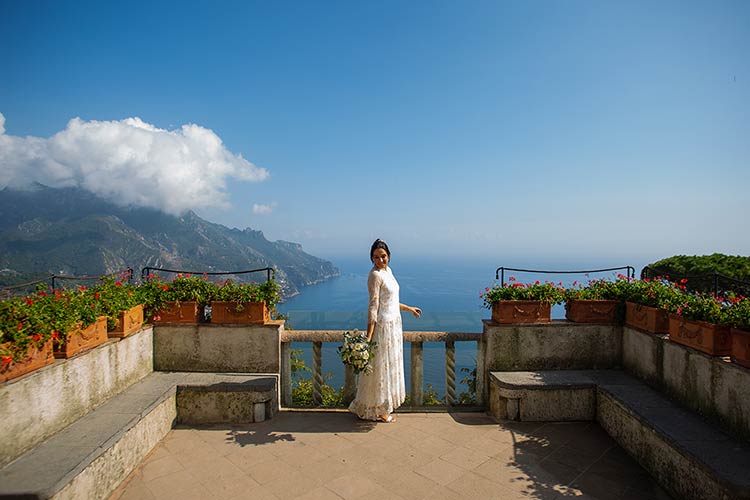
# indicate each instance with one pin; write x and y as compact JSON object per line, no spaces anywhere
{"x":379,"y":244}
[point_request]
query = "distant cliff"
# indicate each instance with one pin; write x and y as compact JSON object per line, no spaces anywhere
{"x":71,"y":231}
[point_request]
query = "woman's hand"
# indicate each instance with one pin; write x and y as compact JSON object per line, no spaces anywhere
{"x":417,"y":312}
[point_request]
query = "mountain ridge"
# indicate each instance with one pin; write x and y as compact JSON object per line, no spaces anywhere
{"x":47,"y":230}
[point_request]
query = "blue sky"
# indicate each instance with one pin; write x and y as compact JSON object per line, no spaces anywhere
{"x":549,"y":130}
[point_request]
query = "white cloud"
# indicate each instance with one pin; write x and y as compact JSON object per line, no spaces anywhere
{"x":129,"y":161}
{"x":263,"y":209}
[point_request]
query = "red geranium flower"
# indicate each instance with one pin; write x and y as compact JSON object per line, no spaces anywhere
{"x":36,"y":337}
{"x":20,"y":325}
{"x":7,"y":360}
{"x":55,"y":335}
{"x":29,"y":301}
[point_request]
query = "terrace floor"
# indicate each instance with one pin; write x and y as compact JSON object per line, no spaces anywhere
{"x":333,"y":455}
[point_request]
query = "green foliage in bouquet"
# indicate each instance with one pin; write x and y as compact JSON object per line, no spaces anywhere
{"x":357,"y":352}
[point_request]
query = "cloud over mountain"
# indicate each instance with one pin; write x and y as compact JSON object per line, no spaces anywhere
{"x":263,"y":209}
{"x":129,"y":161}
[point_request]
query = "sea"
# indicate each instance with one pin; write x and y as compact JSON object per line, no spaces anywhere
{"x":447,"y":291}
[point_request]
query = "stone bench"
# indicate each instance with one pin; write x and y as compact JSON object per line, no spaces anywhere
{"x":689,"y":457}
{"x":91,"y":457}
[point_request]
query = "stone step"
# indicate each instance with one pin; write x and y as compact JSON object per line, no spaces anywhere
{"x":687,"y":455}
{"x":90,"y":458}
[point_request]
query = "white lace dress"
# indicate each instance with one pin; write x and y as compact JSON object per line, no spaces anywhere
{"x":382,"y":390}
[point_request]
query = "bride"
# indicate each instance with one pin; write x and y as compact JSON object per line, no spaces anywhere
{"x":383,"y":390}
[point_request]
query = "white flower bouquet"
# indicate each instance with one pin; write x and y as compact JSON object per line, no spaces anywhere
{"x":357,"y":352}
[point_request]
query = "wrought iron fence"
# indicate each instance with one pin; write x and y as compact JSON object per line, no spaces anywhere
{"x":57,"y":281}
{"x":148,"y":271}
{"x":716,"y":283}
{"x":500,"y":271}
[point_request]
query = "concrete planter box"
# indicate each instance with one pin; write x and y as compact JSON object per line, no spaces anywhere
{"x":178,"y":312}
{"x":591,"y":311}
{"x":82,"y":339}
{"x":741,"y":347}
{"x":506,"y":312}
{"x":646,"y":318}
{"x":36,"y":357}
{"x":707,"y":337}
{"x":247,"y":313}
{"x":128,"y":322}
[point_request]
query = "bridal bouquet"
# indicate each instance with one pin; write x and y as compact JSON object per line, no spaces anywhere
{"x":357,"y":352}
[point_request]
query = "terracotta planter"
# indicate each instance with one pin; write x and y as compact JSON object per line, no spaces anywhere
{"x":521,"y":311}
{"x":255,"y":313}
{"x":741,"y":347}
{"x":36,"y":357}
{"x":649,"y":319}
{"x":129,"y":322}
{"x":82,"y":339}
{"x":591,"y":311}
{"x":712,"y":339}
{"x":178,"y":312}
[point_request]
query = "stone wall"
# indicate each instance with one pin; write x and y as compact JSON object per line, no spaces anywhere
{"x":559,"y":345}
{"x":710,"y":385}
{"x":218,"y":348}
{"x":37,"y":405}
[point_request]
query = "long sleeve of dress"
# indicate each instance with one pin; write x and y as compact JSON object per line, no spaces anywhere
{"x":373,"y":286}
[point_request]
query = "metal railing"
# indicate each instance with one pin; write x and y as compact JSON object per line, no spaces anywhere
{"x":61,"y":277}
{"x":717,"y":283}
{"x":416,"y":340}
{"x":147,"y":271}
{"x":500,"y":271}
{"x":55,"y":279}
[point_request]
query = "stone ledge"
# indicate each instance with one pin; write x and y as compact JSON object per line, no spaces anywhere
{"x":709,"y":385}
{"x":687,"y":455}
{"x":89,"y":458}
{"x":42,"y":403}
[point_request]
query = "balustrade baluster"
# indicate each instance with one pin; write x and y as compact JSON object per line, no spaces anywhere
{"x":350,"y":384}
{"x":417,"y":374}
{"x":317,"y":374}
{"x":450,"y":373}
{"x":286,"y":374}
{"x":481,"y":374}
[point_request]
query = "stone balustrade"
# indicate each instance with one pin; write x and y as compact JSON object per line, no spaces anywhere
{"x":416,"y":340}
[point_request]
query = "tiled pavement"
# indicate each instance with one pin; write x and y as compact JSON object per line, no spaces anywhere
{"x":333,"y":455}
